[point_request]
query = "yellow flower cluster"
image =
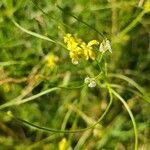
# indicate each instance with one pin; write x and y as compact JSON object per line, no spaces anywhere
{"x":79,"y":49}
{"x":51,"y":60}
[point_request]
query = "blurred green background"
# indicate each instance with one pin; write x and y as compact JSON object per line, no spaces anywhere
{"x":24,"y":73}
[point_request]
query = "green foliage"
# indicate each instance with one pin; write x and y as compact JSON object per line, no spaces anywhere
{"x":45,"y":102}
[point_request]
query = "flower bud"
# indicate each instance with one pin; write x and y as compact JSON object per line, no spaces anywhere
{"x":87,"y":80}
{"x":92,"y":84}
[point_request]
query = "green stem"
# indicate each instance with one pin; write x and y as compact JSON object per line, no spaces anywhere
{"x":80,"y":20}
{"x":68,"y":131}
{"x":18,"y":102}
{"x":36,"y":34}
{"x":132,"y":24}
{"x":131,"y":116}
{"x":133,"y":83}
{"x":21,"y":101}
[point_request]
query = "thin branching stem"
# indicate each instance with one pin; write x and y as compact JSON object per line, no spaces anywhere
{"x":133,"y":83}
{"x":80,"y":20}
{"x":69,"y":131}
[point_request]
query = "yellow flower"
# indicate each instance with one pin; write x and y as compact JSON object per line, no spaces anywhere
{"x":63,"y":144}
{"x":79,"y":49}
{"x":93,"y":42}
{"x":88,"y":50}
{"x":70,"y":41}
{"x":51,"y":60}
{"x":147,"y":6}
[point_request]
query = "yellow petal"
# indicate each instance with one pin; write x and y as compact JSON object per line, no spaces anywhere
{"x":92,"y":55}
{"x":93,"y":42}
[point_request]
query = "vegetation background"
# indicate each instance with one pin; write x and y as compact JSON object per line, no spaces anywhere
{"x":24,"y":73}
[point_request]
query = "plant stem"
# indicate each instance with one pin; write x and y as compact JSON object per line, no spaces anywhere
{"x":132,"y":24}
{"x":131,"y":116}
